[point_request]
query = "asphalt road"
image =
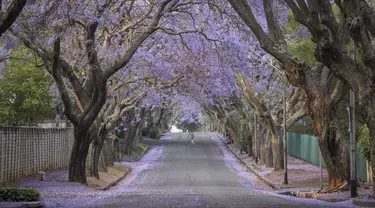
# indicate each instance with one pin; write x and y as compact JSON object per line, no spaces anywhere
{"x":194,"y":176}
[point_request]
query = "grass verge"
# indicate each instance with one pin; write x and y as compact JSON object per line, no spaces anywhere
{"x":139,"y":151}
{"x":110,"y":178}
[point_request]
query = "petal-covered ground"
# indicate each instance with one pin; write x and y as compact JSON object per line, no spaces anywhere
{"x":175,"y":173}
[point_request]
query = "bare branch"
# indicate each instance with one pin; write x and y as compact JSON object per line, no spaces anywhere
{"x":302,"y":112}
{"x":14,"y":10}
{"x":170,"y":31}
{"x":273,"y":25}
{"x":60,"y":84}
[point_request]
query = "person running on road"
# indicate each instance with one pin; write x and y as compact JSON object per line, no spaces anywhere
{"x":191,"y":136}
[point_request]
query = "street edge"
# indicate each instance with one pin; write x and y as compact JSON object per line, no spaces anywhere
{"x":22,"y":204}
{"x":114,"y":183}
{"x":273,"y":186}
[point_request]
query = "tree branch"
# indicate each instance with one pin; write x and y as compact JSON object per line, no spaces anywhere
{"x":302,"y":112}
{"x":139,"y":40}
{"x":67,"y":71}
{"x":60,"y":83}
{"x":13,"y":11}
{"x":291,"y":65}
{"x":273,"y":25}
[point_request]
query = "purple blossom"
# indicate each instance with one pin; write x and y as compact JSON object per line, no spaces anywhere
{"x":10,"y":43}
{"x":2,"y":67}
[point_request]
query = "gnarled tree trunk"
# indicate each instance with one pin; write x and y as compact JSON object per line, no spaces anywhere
{"x":77,"y":164}
{"x":277,"y":151}
{"x":108,"y":151}
{"x":265,"y":146}
{"x":333,"y":148}
{"x":323,"y":104}
{"x":97,"y":147}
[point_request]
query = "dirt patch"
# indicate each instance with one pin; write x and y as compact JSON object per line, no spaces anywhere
{"x":364,"y":192}
{"x":297,"y":176}
{"x":108,"y":178}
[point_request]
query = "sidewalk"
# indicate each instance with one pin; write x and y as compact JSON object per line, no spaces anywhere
{"x":303,"y":179}
{"x":55,"y":190}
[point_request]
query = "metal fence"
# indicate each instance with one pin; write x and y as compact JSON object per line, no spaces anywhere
{"x":25,"y":151}
{"x":306,"y":147}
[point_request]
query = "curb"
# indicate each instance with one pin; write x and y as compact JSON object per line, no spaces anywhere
{"x":364,"y":203}
{"x":21,"y":204}
{"x":145,"y":152}
{"x":273,"y":186}
{"x":114,"y":183}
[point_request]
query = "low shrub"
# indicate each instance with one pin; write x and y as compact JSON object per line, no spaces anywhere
{"x":364,"y":142}
{"x":161,"y":131}
{"x":14,"y":194}
{"x":139,"y":150}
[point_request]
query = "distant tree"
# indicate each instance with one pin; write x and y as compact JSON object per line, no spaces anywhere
{"x":24,"y":91}
{"x":189,"y":126}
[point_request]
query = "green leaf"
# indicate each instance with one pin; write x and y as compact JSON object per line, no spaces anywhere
{"x":25,"y":91}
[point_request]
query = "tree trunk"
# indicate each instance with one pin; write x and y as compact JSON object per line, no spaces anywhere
{"x":108,"y":153}
{"x":232,"y":131}
{"x":102,"y":165}
{"x":98,"y":146}
{"x":332,"y":144}
{"x":89,"y":161}
{"x":77,"y":164}
{"x":116,"y":149}
{"x":97,"y":135}
{"x":335,"y":155}
{"x":129,"y":141}
{"x":160,"y":117}
{"x":265,"y":147}
{"x":250,"y":145}
{"x":277,"y":152}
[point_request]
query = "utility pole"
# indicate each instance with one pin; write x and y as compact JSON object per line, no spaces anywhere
{"x":321,"y":171}
{"x":255,"y":138}
{"x":285,"y":139}
{"x":352,"y":129}
{"x":284,"y":128}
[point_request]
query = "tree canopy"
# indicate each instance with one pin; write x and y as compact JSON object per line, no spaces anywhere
{"x":122,"y":65}
{"x":25,"y":91}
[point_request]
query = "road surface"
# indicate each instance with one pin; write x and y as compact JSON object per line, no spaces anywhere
{"x":196,"y":175}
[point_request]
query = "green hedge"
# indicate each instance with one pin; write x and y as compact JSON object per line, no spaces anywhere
{"x":14,"y":194}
